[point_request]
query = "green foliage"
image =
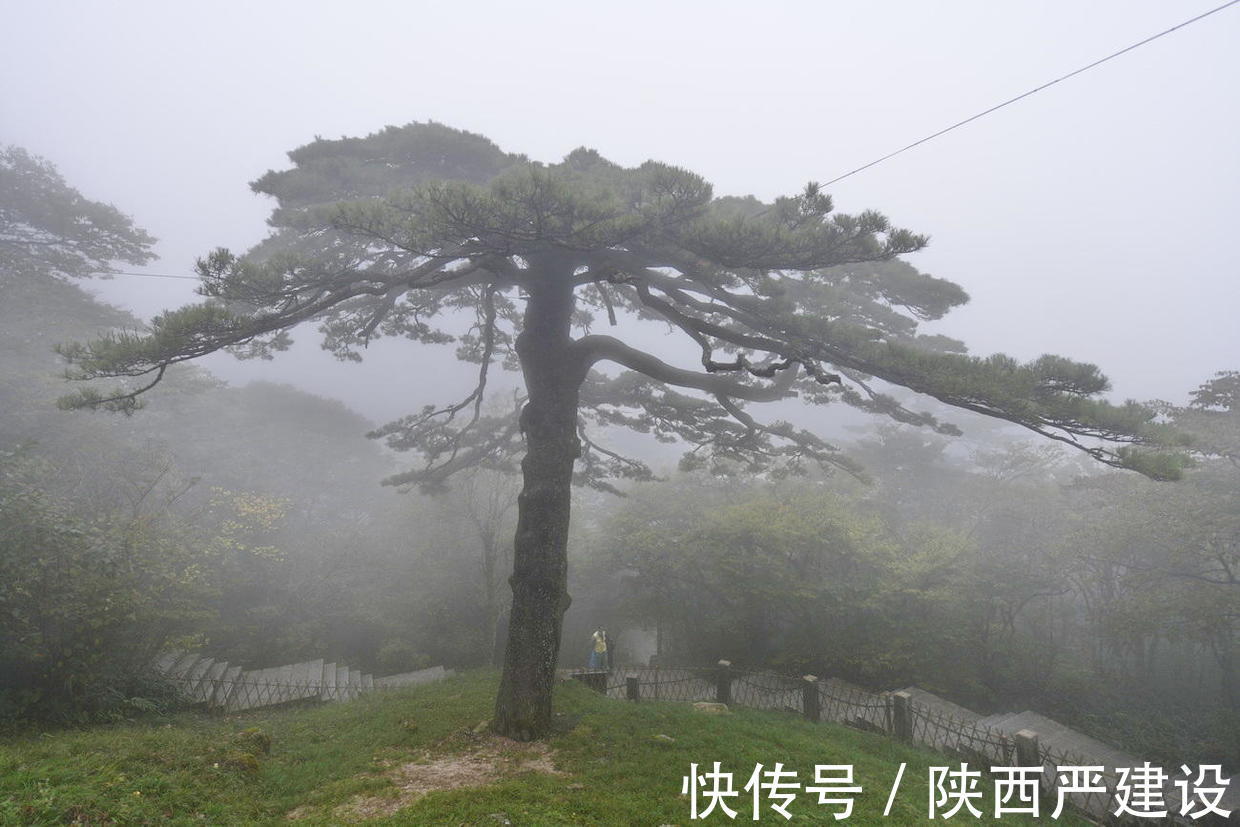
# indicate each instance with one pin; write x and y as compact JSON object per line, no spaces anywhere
{"x":1012,"y":580}
{"x":803,"y":577}
{"x":1222,"y":392}
{"x":392,"y":159}
{"x":264,"y":497}
{"x":396,"y":233}
{"x":176,"y":331}
{"x":1157,"y":465}
{"x":396,"y":656}
{"x":47,"y":229}
{"x":1162,"y":573}
{"x":87,"y":600}
{"x":253,"y":740}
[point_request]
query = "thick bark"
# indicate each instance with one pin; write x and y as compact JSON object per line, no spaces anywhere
{"x":553,"y":373}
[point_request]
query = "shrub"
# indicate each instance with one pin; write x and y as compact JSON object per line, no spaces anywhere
{"x":86,"y":601}
{"x":397,"y":656}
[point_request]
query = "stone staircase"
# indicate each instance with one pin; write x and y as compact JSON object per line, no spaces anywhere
{"x":1068,"y":743}
{"x":1061,"y":738}
{"x":217,"y":685}
{"x":928,"y":700}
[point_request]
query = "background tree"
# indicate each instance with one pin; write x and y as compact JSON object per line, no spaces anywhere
{"x":486,"y":499}
{"x":47,"y":228}
{"x":1162,"y":568}
{"x":779,"y":575}
{"x":388,"y":235}
{"x":126,"y":505}
{"x":89,"y":592}
{"x":50,"y":234}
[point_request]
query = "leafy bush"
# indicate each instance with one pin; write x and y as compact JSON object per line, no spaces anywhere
{"x":397,"y":656}
{"x":87,"y":598}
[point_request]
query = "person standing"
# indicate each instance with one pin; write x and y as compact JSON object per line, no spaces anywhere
{"x":598,"y":651}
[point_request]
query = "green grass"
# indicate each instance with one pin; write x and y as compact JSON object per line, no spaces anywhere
{"x":612,"y":768}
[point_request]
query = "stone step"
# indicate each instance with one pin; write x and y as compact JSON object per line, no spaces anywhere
{"x":188,"y":684}
{"x":296,"y":681}
{"x":934,"y":704}
{"x":1061,"y":738}
{"x":839,"y":686}
{"x":222,"y":686}
{"x":257,"y":688}
{"x":164,"y":662}
{"x":182,"y":665}
{"x":225,"y":687}
{"x":253,"y":690}
{"x":997,"y":720}
{"x":434,"y":673}
{"x":281,"y":685}
{"x":303,"y":682}
{"x":242,"y":695}
{"x":328,"y":682}
{"x":203,"y":692}
{"x":1066,"y":743}
{"x":342,"y":683}
{"x":311,"y":678}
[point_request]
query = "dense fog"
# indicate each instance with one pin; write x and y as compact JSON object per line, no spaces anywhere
{"x":447,"y":278}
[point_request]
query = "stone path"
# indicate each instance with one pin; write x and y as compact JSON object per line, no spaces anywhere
{"x":217,"y":685}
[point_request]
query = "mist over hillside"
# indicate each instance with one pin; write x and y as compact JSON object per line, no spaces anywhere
{"x":884,"y":351}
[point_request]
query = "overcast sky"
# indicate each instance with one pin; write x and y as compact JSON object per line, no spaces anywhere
{"x":1096,"y":219}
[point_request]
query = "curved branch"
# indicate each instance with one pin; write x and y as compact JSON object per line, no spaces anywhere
{"x":475,"y":456}
{"x":597,"y":348}
{"x":126,"y":403}
{"x":727,"y":304}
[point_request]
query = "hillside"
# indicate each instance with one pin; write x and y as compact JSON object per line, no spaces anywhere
{"x":611,"y":763}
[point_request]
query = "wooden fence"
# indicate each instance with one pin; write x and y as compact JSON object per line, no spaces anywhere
{"x":911,"y":715}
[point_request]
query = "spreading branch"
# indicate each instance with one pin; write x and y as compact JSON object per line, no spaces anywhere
{"x":374,"y":236}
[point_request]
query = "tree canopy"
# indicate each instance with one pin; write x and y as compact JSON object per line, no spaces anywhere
{"x":48,"y":227}
{"x":386,"y":235}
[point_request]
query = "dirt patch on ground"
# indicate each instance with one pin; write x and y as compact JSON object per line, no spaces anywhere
{"x":485,"y":760}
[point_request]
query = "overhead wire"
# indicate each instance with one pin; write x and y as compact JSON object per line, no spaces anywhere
{"x":917,"y":143}
{"x":159,"y":275}
{"x":1024,"y":95}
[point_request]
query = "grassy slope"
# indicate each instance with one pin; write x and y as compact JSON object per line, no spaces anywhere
{"x":615,"y":770}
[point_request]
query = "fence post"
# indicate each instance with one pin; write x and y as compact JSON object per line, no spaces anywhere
{"x":632,"y":688}
{"x":809,"y":698}
{"x":902,"y":715}
{"x":1028,"y":754}
{"x":723,"y":683}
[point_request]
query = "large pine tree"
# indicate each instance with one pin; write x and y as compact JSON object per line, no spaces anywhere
{"x":402,"y":231}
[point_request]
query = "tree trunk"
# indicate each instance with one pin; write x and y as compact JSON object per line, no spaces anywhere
{"x":553,"y":375}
